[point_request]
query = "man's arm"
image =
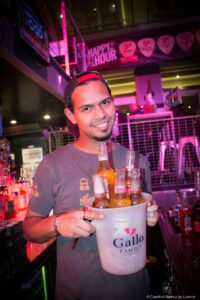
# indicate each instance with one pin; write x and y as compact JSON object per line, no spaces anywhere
{"x":39,"y":229}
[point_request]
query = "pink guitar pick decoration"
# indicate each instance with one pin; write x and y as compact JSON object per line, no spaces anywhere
{"x":165,"y":43}
{"x":198,"y":35}
{"x":127,"y":49}
{"x":146,"y":46}
{"x":185,"y":40}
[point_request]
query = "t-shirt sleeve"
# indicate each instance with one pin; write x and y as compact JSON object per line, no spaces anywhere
{"x":42,"y":197}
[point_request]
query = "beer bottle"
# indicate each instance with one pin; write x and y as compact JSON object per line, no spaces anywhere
{"x":100,"y":200}
{"x":120,"y":199}
{"x":105,"y":170}
{"x":129,"y":166}
{"x":135,"y":188}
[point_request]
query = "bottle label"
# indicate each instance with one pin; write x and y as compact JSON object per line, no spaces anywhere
{"x":120,"y":189}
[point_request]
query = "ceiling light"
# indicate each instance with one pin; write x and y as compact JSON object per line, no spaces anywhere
{"x":13,"y":122}
{"x":47,"y":117}
{"x":177,"y":76}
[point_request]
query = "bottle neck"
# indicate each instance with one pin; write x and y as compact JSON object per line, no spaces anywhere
{"x":103,"y":164}
{"x":130,"y":160}
{"x":135,"y":183}
{"x":120,"y":186}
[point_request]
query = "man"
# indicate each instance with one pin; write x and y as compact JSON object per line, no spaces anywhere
{"x":150,"y":105}
{"x":63,"y":181}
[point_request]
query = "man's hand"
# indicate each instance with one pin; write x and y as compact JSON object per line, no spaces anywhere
{"x":74,"y":224}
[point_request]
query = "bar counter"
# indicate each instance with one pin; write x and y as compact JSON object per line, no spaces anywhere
{"x":27,"y":269}
{"x":184,"y":255}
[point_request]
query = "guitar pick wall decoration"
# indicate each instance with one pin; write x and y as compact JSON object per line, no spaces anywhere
{"x":146,"y":46}
{"x":185,"y":40}
{"x":165,"y":43}
{"x":127,"y":49}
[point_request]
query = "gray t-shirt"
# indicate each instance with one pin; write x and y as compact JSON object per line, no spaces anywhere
{"x":61,"y":182}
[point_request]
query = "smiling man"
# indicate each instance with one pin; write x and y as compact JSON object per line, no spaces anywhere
{"x":63,"y":181}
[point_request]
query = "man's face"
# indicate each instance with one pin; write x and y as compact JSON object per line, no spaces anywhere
{"x":149,"y":97}
{"x":94,"y":111}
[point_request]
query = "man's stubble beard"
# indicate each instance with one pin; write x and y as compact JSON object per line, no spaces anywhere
{"x":104,"y":138}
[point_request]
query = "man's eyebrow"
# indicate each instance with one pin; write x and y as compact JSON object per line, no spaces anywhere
{"x":92,"y":104}
{"x":110,"y":97}
{"x":84,"y":105}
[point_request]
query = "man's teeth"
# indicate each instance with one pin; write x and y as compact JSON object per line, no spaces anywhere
{"x":102,"y":125}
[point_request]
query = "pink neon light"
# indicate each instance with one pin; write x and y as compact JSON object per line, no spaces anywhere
{"x":65,"y":38}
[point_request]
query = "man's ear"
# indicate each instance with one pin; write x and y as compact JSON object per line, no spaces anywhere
{"x":69,"y":114}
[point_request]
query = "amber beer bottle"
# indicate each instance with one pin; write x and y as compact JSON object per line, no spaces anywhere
{"x":100,"y":200}
{"x":129,"y":166}
{"x":120,"y":199}
{"x":135,"y":189}
{"x":105,"y":170}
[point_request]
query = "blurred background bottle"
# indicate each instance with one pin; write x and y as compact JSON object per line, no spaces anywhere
{"x":129,"y":166}
{"x":197,"y":182}
{"x":105,"y":170}
{"x":177,"y":208}
{"x":100,"y":200}
{"x":186,"y":216}
{"x":196,"y":208}
{"x":135,"y":189}
{"x":120,"y":199}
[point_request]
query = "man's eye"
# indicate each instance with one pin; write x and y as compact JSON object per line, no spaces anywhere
{"x":106,"y":101}
{"x":86,"y":108}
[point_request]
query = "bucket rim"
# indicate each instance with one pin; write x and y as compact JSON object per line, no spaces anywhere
{"x":88,"y":204}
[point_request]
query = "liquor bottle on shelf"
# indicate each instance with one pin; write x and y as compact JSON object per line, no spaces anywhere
{"x":196,"y":218}
{"x":197,"y":182}
{"x":186,"y":213}
{"x":176,"y":209}
{"x":100,"y":200}
{"x":120,"y":199}
{"x":135,"y":189}
{"x":196,"y":208}
{"x":129,"y":166}
{"x":105,"y":170}
{"x":10,"y":212}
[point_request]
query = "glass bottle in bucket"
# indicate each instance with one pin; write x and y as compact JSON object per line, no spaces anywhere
{"x":129,"y":166}
{"x":100,"y":200}
{"x":105,"y":170}
{"x":135,"y":189}
{"x":120,"y":199}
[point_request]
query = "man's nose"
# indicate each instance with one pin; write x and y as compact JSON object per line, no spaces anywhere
{"x":99,"y":112}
